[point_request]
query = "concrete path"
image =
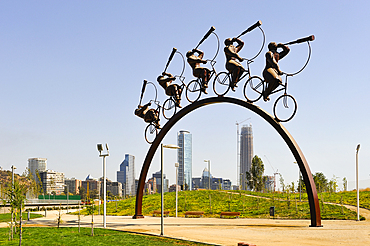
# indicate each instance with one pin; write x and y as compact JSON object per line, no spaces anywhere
{"x":231,"y":231}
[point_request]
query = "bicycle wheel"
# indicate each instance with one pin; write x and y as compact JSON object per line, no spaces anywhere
{"x":285,"y":108}
{"x":151,"y":133}
{"x":193,"y":91}
{"x":169,"y":108}
{"x":221,"y":84}
{"x":253,"y":89}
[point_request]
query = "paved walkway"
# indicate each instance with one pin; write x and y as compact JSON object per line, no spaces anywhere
{"x":231,"y":231}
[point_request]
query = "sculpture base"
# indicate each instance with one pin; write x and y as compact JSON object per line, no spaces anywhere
{"x":138,"y":216}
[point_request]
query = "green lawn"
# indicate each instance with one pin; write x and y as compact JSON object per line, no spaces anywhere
{"x":45,"y":236}
{"x":7,"y":217}
{"x":215,"y":202}
{"x":347,"y":197}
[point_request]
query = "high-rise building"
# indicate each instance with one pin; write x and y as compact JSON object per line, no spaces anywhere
{"x":184,"y":158}
{"x":73,"y":185}
{"x":37,"y":164}
{"x":157,"y":177}
{"x":246,"y":153}
{"x":206,"y":179}
{"x":126,"y":175}
{"x":52,"y":182}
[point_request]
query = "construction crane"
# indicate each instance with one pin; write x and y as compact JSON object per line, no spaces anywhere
{"x":238,"y":153}
{"x":275,"y":172}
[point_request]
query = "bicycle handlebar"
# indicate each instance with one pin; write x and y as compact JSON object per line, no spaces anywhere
{"x":257,"y":24}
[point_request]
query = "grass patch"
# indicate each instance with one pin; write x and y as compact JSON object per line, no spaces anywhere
{"x":7,"y":217}
{"x":70,"y":236}
{"x":215,"y":202}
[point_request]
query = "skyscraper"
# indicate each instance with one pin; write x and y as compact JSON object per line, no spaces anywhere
{"x":37,"y":164}
{"x":184,"y":158}
{"x":126,"y":175}
{"x":246,"y":153}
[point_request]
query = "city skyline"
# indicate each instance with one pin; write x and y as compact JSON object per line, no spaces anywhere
{"x":71,"y":78}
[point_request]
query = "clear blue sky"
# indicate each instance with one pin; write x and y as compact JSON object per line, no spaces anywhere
{"x":71,"y":74}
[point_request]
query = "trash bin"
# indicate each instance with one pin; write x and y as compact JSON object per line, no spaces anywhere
{"x":272,"y":211}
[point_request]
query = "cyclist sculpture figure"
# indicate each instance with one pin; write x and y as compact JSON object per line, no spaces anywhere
{"x":170,"y":89}
{"x":272,"y":71}
{"x":149,"y":115}
{"x":231,"y":52}
{"x":198,"y":71}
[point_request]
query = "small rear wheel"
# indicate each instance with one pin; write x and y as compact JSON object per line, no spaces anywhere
{"x":253,"y":89}
{"x":169,"y":108}
{"x":285,"y":108}
{"x":221,"y":84}
{"x":193,"y":91}
{"x":151,"y":133}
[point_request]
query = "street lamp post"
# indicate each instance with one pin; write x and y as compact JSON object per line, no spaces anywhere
{"x":168,"y":146}
{"x":100,"y":149}
{"x":209,"y":173}
{"x":11,"y":223}
{"x":358,"y":193}
{"x":177,"y":176}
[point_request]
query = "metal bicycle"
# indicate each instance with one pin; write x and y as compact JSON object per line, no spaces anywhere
{"x":285,"y":106}
{"x":222,"y":82}
{"x":169,"y":105}
{"x":193,"y":91}
{"x":152,"y":128}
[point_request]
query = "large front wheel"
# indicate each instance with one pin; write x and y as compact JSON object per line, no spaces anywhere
{"x":253,"y":89}
{"x":193,"y":91}
{"x":169,"y":108}
{"x":285,"y":108}
{"x":221,"y":84}
{"x":151,"y":133}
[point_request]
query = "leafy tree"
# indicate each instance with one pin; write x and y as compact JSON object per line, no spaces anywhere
{"x":82,"y":192}
{"x":255,"y":180}
{"x":94,"y":194}
{"x":16,"y":196}
{"x":281,"y":180}
{"x":321,"y":182}
{"x":344,"y":184}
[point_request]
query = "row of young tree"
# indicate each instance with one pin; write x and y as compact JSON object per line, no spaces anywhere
{"x":256,"y":180}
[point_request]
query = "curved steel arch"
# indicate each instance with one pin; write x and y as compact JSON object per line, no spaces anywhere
{"x":293,"y":146}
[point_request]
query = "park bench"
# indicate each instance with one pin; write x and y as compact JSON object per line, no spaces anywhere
{"x":237,"y":214}
{"x":158,"y":212}
{"x":194,"y":213}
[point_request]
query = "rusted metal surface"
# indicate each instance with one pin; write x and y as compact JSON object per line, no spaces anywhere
{"x":289,"y":140}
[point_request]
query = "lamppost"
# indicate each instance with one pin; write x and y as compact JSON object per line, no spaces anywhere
{"x":177,"y":176}
{"x":358,"y":193}
{"x":11,"y":223}
{"x":209,"y":173}
{"x":168,"y":146}
{"x":100,"y":149}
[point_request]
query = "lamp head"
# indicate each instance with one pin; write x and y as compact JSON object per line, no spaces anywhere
{"x":358,"y":147}
{"x":176,"y":164}
{"x":100,"y":147}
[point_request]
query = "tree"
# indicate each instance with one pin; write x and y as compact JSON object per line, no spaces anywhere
{"x":321,"y":182}
{"x":16,"y":196}
{"x":255,"y":180}
{"x":82,"y":192}
{"x":281,"y":180}
{"x":344,"y":184}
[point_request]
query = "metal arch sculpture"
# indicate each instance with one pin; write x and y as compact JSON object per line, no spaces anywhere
{"x":293,"y":146}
